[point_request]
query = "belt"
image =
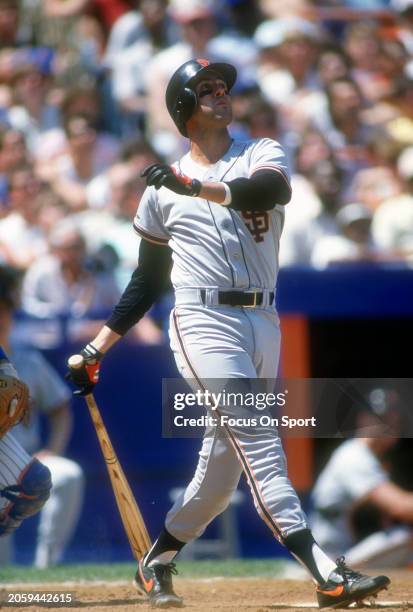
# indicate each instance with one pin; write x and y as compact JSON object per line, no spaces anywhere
{"x":249,"y":298}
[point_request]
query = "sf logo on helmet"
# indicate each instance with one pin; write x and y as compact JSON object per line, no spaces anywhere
{"x":203,"y":62}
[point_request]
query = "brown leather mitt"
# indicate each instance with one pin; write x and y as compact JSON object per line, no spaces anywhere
{"x":14,"y":402}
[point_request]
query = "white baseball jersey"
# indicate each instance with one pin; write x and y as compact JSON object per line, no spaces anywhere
{"x":216,"y":246}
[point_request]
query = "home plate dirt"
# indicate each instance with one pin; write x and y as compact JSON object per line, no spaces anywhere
{"x":208,"y":595}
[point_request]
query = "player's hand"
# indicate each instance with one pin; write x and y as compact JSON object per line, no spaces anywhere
{"x":162,"y":175}
{"x":84,"y":369}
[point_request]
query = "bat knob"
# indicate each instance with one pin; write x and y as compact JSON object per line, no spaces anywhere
{"x":75,"y":362}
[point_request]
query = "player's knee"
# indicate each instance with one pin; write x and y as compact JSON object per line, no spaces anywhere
{"x":27,"y":497}
{"x":66,"y":474}
{"x":75,"y":472}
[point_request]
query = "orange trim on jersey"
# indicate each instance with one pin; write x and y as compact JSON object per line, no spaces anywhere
{"x":256,"y":493}
{"x":150,"y":237}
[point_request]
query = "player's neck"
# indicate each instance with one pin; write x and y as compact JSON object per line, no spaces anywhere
{"x":208,"y":147}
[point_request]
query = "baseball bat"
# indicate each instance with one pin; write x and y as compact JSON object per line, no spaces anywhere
{"x":132,"y":520}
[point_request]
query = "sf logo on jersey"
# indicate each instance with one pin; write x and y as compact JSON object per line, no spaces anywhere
{"x":257,"y":223}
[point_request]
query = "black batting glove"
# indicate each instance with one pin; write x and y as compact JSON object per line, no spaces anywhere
{"x":162,"y":175}
{"x":84,"y":370}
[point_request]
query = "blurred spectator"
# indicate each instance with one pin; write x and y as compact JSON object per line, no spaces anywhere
{"x":12,"y":34}
{"x":245,"y":15}
{"x":399,"y":105}
{"x":344,"y":128}
{"x":355,"y":479}
{"x":13,"y":154}
{"x":78,"y":100}
{"x":404,"y":10}
{"x":362,"y":44}
{"x":299,"y":239}
{"x":136,"y":154}
{"x":393,"y":220}
{"x":63,"y":283}
{"x":21,"y":238}
{"x":70,"y":173}
{"x":313,"y":149}
{"x":134,"y":39}
{"x":373,"y":186}
{"x":50,"y":398}
{"x":108,"y":11}
{"x":332,"y":64}
{"x":53,"y":23}
{"x":33,"y":113}
{"x":288,"y":54}
{"x":354,"y":244}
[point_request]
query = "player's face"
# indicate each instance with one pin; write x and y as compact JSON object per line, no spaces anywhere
{"x":214,"y":103}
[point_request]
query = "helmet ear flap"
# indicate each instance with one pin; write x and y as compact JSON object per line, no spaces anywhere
{"x":185,"y":106}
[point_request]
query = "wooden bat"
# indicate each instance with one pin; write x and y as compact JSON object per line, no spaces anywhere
{"x":132,"y":520}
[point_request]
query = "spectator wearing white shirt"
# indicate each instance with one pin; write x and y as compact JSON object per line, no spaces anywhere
{"x":20,"y":227}
{"x":393,"y":219}
{"x":354,"y":244}
{"x":61,"y":283}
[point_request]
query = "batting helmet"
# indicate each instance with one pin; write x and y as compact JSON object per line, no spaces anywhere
{"x":180,"y":96}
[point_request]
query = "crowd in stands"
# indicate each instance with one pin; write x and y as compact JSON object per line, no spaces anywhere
{"x":82,"y":112}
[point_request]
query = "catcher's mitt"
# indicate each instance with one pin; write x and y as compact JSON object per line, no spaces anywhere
{"x":14,"y":402}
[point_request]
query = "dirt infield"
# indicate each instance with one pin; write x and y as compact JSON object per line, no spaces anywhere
{"x":208,"y":595}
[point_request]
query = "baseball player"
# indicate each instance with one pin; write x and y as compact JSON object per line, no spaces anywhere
{"x":337,"y":498}
{"x":218,"y":213}
{"x":49,"y":396}
{"x":25,"y":483}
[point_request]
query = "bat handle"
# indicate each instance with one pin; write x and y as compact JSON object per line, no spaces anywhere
{"x":75,"y":362}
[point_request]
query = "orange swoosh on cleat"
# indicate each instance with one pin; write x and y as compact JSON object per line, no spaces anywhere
{"x":148,"y":584}
{"x":339,"y":590}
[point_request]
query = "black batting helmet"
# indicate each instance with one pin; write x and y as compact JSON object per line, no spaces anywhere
{"x":180,"y":96}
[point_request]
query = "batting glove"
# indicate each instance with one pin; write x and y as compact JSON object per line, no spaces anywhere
{"x":162,"y":175}
{"x":85,"y":375}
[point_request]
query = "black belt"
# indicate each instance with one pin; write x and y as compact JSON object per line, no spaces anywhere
{"x":248,"y":299}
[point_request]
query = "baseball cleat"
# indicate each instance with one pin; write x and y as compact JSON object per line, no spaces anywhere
{"x":345,"y":586}
{"x":156,"y":583}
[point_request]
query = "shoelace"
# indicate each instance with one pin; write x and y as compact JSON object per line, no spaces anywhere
{"x":169,"y":568}
{"x":345,"y":571}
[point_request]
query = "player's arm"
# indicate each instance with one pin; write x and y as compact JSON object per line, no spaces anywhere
{"x":146,"y":285}
{"x":393,"y":501}
{"x":260,"y":192}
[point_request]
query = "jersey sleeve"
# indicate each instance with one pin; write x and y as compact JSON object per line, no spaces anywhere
{"x":148,"y":221}
{"x":267,"y":154}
